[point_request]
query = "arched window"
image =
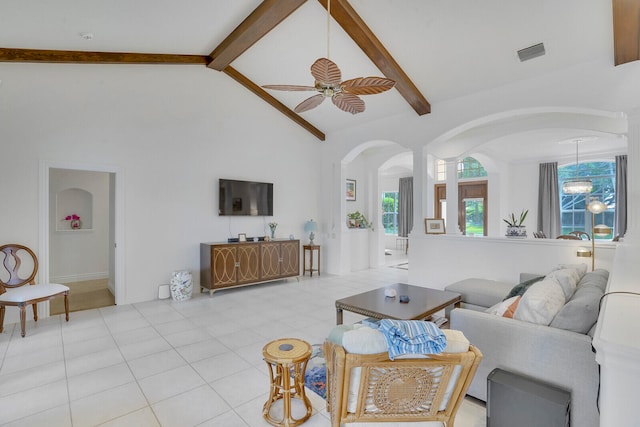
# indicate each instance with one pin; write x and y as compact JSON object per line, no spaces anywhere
{"x":467,"y":168}
{"x":573,"y":207}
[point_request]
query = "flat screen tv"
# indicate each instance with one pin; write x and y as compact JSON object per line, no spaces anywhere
{"x":245,"y":198}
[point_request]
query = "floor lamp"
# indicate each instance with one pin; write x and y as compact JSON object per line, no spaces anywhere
{"x":595,"y":206}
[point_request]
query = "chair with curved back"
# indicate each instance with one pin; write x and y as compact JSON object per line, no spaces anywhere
{"x":13,"y":293}
{"x":568,"y":237}
{"x":581,"y":234}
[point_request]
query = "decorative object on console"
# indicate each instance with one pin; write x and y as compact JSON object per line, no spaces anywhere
{"x":242,"y":237}
{"x":434,"y":226}
{"x":272,"y":228}
{"x":577,"y":185}
{"x":311,"y":227}
{"x":595,"y":206}
{"x":515,"y":225}
{"x":75,"y":221}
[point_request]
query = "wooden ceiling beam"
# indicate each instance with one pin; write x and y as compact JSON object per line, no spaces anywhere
{"x":356,"y":28}
{"x":626,"y":31}
{"x":244,"y":81}
{"x":73,"y":56}
{"x":262,"y":20}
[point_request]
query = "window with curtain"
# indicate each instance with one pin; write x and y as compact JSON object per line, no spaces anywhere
{"x":390,"y":212}
{"x":574,"y":215}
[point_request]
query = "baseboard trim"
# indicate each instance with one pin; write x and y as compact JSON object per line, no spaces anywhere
{"x":79,"y":277}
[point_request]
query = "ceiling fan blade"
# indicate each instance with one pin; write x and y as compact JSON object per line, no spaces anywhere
{"x":309,"y":103}
{"x":348,"y":102}
{"x":326,"y":71}
{"x":367,"y":85}
{"x":291,"y":88}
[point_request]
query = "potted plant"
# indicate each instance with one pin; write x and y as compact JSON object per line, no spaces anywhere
{"x":357,"y":220}
{"x":515,"y":225}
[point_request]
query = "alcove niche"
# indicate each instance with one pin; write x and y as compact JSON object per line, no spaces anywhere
{"x":74,"y":201}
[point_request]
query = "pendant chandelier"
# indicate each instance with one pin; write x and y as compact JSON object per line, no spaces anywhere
{"x":577,"y":185}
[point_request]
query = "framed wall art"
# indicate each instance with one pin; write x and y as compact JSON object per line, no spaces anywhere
{"x":434,"y":226}
{"x":351,"y":190}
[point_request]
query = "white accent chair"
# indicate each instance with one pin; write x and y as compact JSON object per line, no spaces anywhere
{"x":13,"y":293}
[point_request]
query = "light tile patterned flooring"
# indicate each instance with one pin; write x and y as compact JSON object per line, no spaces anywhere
{"x":166,"y":363}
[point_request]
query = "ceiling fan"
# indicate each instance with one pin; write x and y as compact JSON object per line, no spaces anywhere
{"x":329,"y":84}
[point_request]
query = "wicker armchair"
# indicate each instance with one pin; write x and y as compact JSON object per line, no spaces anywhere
{"x":404,"y":390}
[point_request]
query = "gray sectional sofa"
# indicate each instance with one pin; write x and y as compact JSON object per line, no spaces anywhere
{"x":559,"y":353}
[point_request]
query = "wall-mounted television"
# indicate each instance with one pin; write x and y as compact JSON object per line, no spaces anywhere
{"x":246,"y":198}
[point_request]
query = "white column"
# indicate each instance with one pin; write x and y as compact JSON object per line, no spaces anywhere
{"x":419,"y":178}
{"x":633,"y":178}
{"x":452,"y":197}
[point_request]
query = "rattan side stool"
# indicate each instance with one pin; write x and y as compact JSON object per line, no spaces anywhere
{"x":286,"y":357}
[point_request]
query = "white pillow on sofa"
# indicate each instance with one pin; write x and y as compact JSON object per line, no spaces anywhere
{"x":541,"y":302}
{"x":568,"y":279}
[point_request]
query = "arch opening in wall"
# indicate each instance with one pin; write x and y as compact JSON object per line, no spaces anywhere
{"x":74,"y":204}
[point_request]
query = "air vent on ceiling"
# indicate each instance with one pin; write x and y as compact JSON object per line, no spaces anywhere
{"x":531,"y":52}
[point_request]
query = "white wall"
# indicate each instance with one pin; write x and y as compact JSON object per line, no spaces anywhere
{"x":172,"y":132}
{"x":439,"y":260}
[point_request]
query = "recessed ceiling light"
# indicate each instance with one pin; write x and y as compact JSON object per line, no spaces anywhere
{"x":86,"y":36}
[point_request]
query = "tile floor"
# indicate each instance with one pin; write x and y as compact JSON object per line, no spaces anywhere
{"x":166,"y":363}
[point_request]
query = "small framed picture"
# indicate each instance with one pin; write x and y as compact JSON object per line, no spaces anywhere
{"x":434,"y":226}
{"x":242,"y":237}
{"x":351,"y":190}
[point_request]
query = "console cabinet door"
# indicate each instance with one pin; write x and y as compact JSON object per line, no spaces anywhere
{"x":247,"y":260}
{"x":290,"y":258}
{"x":223,"y":266}
{"x":270,"y":261}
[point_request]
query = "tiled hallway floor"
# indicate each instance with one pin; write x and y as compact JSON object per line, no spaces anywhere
{"x":166,"y":363}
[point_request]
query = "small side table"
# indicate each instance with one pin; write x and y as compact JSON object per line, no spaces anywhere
{"x":286,"y":356}
{"x":311,"y":249}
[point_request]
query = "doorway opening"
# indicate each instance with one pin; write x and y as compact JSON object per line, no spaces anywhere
{"x":472,"y":206}
{"x":79,"y":228}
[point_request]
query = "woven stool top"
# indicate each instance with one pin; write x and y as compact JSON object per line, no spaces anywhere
{"x":286,"y":350}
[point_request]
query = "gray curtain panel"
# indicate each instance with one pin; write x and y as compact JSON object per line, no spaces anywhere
{"x":620,"y":224}
{"x":405,"y":206}
{"x":549,"y":200}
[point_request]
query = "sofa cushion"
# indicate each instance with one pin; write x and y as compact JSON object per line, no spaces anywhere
{"x":521,"y":288}
{"x":580,"y":313}
{"x":541,"y":302}
{"x":480,"y":292}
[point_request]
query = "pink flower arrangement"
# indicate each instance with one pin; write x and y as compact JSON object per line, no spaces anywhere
{"x":72,"y":217}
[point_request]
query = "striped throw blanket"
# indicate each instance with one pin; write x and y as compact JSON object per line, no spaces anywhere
{"x":412,"y":337}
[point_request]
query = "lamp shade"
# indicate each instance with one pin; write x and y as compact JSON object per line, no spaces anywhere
{"x":596,"y":206}
{"x":601,"y":230}
{"x":310,"y":226}
{"x":577,"y":186}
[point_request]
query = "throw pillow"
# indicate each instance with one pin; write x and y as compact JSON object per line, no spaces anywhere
{"x":364,"y":340}
{"x":501,"y":307}
{"x":511,"y":310}
{"x":521,"y":288}
{"x":580,"y":268}
{"x":541,"y":302}
{"x":568,"y":279}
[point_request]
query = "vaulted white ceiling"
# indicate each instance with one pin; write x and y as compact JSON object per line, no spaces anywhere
{"x":447,"y":48}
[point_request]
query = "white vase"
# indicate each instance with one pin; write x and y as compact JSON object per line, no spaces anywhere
{"x":181,"y":285}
